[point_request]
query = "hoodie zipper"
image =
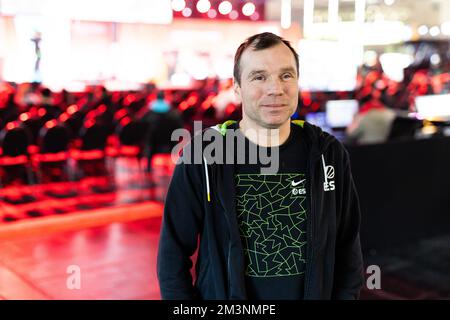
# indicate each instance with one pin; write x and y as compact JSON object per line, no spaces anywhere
{"x":208,"y":192}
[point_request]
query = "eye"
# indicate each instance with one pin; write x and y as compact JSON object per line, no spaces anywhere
{"x":258,"y":77}
{"x":287,"y":76}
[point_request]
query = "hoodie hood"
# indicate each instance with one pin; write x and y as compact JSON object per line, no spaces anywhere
{"x":317,"y":139}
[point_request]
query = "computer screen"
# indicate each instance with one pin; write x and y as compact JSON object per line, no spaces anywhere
{"x":339,"y":113}
{"x":433,"y":106}
{"x":317,"y":119}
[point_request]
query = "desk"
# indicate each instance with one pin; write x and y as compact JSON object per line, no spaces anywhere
{"x":404,"y":190}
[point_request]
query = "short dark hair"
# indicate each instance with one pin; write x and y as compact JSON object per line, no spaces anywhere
{"x":160,"y":95}
{"x":257,"y":42}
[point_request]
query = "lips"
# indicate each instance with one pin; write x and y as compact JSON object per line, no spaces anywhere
{"x":275,"y":105}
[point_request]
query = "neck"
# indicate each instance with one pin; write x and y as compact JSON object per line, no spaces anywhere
{"x":265,"y":137}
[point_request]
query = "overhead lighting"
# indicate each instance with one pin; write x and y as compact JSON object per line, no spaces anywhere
{"x":389,"y":2}
{"x":234,"y":15}
{"x":435,"y":59}
{"x":286,"y":8}
{"x":178,"y":5}
{"x":434,"y":31}
{"x":407,"y":33}
{"x":225,"y":7}
{"x":255,"y":16}
{"x":212,"y":13}
{"x":248,"y":9}
{"x":186,"y":12}
{"x":423,"y":30}
{"x":203,"y":6}
{"x":394,"y":63}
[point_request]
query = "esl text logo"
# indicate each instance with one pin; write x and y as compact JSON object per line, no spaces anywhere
{"x":328,"y":185}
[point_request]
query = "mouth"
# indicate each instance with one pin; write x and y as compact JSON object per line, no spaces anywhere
{"x":274,"y":105}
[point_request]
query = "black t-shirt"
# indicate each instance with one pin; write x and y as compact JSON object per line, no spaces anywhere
{"x":271,"y":211}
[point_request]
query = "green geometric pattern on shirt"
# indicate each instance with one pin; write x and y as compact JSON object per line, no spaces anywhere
{"x":272,"y":223}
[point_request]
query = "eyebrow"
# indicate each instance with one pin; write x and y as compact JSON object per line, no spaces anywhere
{"x":289,"y":69}
{"x":255,"y":72}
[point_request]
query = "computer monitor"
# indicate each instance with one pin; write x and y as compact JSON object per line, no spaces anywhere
{"x":317,"y":119}
{"x":433,"y":107}
{"x":339,"y":113}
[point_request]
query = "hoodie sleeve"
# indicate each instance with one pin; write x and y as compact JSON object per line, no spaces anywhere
{"x":348,"y":275}
{"x":182,"y":220}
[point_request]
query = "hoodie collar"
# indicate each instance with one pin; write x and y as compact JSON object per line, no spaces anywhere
{"x":316,"y":138}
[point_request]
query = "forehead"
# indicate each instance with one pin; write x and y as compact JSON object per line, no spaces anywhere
{"x":273,"y":58}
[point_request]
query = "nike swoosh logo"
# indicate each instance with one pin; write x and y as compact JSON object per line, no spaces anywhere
{"x":294,"y":184}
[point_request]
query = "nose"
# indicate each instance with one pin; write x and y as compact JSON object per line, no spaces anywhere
{"x":275,"y":87}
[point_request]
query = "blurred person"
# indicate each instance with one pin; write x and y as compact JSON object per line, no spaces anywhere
{"x":29,"y":94}
{"x":47,"y":98}
{"x":65,"y":99}
{"x":161,"y":121}
{"x":36,"y":39}
{"x":208,"y":117}
{"x":372,"y":124}
{"x":159,"y":105}
{"x":102,"y":96}
{"x":47,"y":102}
{"x":291,"y":234}
{"x":420,"y":84}
{"x":9,"y":111}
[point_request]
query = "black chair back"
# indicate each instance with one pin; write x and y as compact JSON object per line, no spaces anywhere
{"x":94,"y":137}
{"x":15,"y":141}
{"x":55,"y":139}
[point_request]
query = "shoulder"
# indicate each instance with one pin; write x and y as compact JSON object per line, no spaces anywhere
{"x":318,"y":137}
{"x":325,"y":143}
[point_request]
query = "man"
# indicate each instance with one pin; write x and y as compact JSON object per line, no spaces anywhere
{"x":372,"y":124}
{"x":160,"y":121}
{"x":291,"y":234}
{"x":37,"y":50}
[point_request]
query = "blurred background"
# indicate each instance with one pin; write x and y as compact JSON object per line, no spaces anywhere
{"x":90,"y":92}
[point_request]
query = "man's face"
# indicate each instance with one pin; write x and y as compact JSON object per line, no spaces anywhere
{"x":269,"y":86}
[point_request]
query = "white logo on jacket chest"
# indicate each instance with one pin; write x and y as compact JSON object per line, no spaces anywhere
{"x":328,"y":171}
{"x":297,"y":191}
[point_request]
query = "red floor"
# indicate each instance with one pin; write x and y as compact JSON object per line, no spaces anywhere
{"x":117,"y":261}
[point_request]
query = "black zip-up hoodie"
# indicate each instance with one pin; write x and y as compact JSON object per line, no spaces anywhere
{"x":200,"y":213}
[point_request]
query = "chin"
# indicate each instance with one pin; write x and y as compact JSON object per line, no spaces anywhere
{"x":273,"y":124}
{"x":276,"y":122}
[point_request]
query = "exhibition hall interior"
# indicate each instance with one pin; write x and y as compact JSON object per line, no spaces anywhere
{"x":85,"y":165}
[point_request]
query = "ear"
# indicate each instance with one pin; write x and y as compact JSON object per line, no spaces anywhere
{"x":237,"y":92}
